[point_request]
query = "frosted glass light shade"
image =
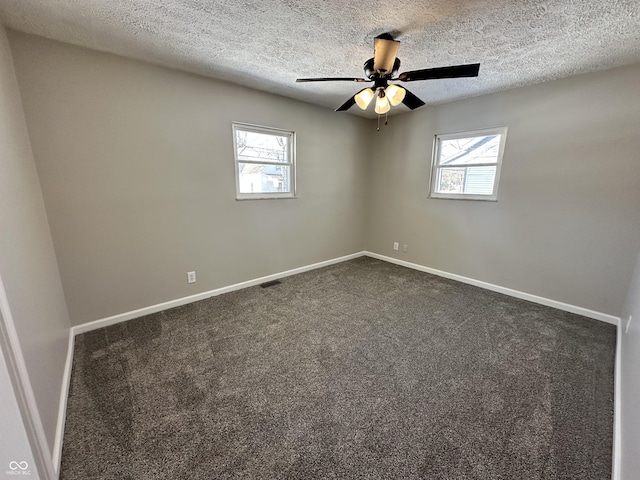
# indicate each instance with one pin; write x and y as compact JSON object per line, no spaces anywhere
{"x":395,"y":94}
{"x":382,"y":105}
{"x":363,"y":98}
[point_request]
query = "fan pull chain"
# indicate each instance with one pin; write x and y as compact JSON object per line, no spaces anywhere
{"x":386,"y":121}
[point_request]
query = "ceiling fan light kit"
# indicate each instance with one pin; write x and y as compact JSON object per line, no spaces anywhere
{"x":395,"y":94}
{"x":382,"y":69}
{"x":382,"y":103}
{"x":363,"y":98}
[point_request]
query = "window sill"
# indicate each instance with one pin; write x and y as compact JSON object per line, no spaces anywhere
{"x":467,"y":198}
{"x":269,"y":197}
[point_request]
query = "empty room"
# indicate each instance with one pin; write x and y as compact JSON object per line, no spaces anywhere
{"x":319,"y":239}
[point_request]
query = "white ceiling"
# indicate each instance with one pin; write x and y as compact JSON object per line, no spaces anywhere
{"x":267,"y":44}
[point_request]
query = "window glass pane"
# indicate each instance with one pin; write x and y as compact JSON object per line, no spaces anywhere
{"x":468,"y":151}
{"x":261,"y":147}
{"x":450,"y":180}
{"x":479,"y":180}
{"x":253,"y":178}
{"x":466,"y":180}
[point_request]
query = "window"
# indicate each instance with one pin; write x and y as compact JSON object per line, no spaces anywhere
{"x":467,"y":165}
{"x":265,"y":162}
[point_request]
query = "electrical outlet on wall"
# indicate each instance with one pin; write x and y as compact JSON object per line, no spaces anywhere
{"x":191,"y":277}
{"x":396,"y":245}
{"x":405,"y":248}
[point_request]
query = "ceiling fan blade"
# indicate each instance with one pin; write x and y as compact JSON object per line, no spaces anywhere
{"x":385,"y":50}
{"x":411,"y":101}
{"x":456,"y":71}
{"x":331,"y":79}
{"x":347,"y":105}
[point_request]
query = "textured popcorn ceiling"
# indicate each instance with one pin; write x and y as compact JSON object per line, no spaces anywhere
{"x":267,"y":44}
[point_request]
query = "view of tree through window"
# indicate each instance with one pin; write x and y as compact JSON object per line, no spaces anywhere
{"x":264,"y":162}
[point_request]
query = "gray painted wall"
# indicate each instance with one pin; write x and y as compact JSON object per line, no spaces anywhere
{"x":136,"y":167}
{"x":566,"y":225}
{"x":14,"y":443}
{"x":135,"y":164}
{"x":27,"y":260}
{"x":630,"y":401}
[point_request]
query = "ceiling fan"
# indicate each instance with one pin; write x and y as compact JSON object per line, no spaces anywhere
{"x":382,"y":69}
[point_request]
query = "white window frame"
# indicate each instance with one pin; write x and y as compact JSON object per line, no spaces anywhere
{"x":246,"y":127}
{"x":502,"y":131}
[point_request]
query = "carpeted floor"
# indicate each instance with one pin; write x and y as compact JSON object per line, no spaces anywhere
{"x":363,"y":369}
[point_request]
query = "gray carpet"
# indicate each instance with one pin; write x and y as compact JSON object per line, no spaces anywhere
{"x":363,"y":369}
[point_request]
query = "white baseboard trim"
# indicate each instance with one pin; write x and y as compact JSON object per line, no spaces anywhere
{"x":616,"y":469}
{"x":62,"y":410}
{"x":123,"y":317}
{"x":585,"y":312}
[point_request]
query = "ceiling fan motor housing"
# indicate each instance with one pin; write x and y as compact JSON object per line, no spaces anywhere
{"x":371,"y":74}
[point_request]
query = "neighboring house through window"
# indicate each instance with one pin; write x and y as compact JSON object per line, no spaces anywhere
{"x":264,"y":161}
{"x":466,"y":165}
